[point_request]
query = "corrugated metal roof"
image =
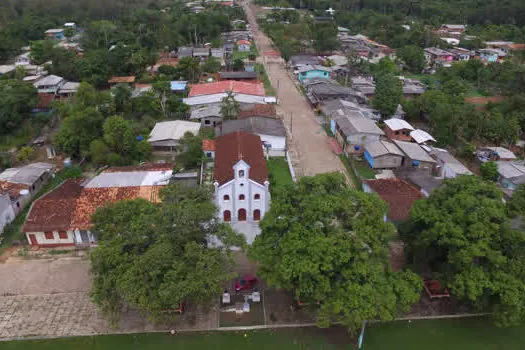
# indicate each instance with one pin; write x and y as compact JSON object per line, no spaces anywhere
{"x":414,"y":151}
{"x":381,"y":148}
{"x":130,"y":179}
{"x":421,"y":136}
{"x":173,"y":130}
{"x":451,"y":162}
{"x":216,"y":98}
{"x":398,"y":124}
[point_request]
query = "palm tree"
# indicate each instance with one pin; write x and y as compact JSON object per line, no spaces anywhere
{"x":230,"y":108}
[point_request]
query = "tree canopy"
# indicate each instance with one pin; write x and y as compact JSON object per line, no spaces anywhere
{"x":329,"y":243}
{"x":461,"y":233}
{"x":155,"y":256}
{"x":17,"y":98}
{"x":389,"y":91}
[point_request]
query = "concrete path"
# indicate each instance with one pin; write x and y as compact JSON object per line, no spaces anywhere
{"x":309,"y":147}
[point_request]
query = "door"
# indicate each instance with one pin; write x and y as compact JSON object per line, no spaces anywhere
{"x":241,"y":215}
{"x":256,"y":215}
{"x":227,"y":216}
{"x":84,"y":237}
{"x":32,"y":239}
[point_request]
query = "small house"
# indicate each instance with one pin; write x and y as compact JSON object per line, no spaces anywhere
{"x":448,"y":166}
{"x":488,"y":55}
{"x":56,"y":34}
{"x":486,"y":154}
{"x":422,"y":137}
{"x":352,"y":132}
{"x":398,"y":194}
{"x":178,"y":86}
{"x":312,"y":72}
{"x":201,"y":53}
{"x":511,"y":174}
{"x":217,"y":53}
{"x":398,"y":129}
{"x":185,"y":52}
{"x":130,"y":81}
{"x":208,"y":147}
{"x":383,"y":155}
{"x":207,"y":115}
{"x":415,"y":156}
{"x":23,"y":59}
{"x":166,"y":136}
{"x":7,"y":213}
{"x":49,"y":84}
{"x":68,"y":90}
{"x":6,"y":69}
{"x":243,"y":46}
{"x":239,"y":76}
{"x":435,"y":55}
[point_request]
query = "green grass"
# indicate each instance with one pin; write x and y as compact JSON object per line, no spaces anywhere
{"x":453,"y":334}
{"x":356,"y":181}
{"x":364,"y":171}
{"x":268,"y":88}
{"x":256,"y":340}
{"x":279,"y":173}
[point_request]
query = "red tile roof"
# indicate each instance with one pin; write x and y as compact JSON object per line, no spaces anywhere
{"x":241,"y":87}
{"x":259,"y":110}
{"x":399,"y":194}
{"x":45,"y":100}
{"x":243,"y":42}
{"x":208,"y":145}
{"x":144,"y":167}
{"x":233,"y":147}
{"x":53,"y":211}
{"x":12,"y":189}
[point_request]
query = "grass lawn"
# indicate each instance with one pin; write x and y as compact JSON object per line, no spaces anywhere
{"x":355,"y":180}
{"x":279,"y":172}
{"x":364,"y":170}
{"x":289,"y":339}
{"x":268,"y":88}
{"x":453,"y":334}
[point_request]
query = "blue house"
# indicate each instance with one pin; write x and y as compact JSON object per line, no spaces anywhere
{"x":311,"y":72}
{"x":57,"y":34}
{"x":178,"y":86}
{"x":488,"y":55}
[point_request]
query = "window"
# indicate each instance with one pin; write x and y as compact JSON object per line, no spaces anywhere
{"x":18,"y":204}
{"x":226,"y":198}
{"x":62,"y":235}
{"x":397,"y":132}
{"x":49,"y":235}
{"x":241,"y":173}
{"x":257,"y":196}
{"x":208,"y":154}
{"x":241,"y":197}
{"x":206,"y":122}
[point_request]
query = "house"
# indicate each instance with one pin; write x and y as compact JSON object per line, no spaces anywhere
{"x":201,"y":53}
{"x":141,"y":90}
{"x":411,"y":88}
{"x":461,"y":54}
{"x":505,"y":46}
{"x":366,"y":48}
{"x":130,"y":81}
{"x":228,"y":48}
{"x":238,"y":87}
{"x":208,"y":147}
{"x":415,"y":156}
{"x":242,"y":189}
{"x":239,"y":76}
{"x":304,"y":60}
{"x":352,"y":132}
{"x":510,"y":174}
{"x":243,"y":99}
{"x":217,"y":53}
{"x":340,"y":107}
{"x":421,"y":137}
{"x":435,"y":55}
{"x":312,"y":72}
{"x":68,"y":90}
{"x":243,"y":46}
{"x":486,"y":154}
{"x":166,"y":136}
{"x":258,"y":110}
{"x":452,"y":30}
{"x":57,"y":34}
{"x":208,"y":115}
{"x":178,"y":86}
{"x":7,"y":213}
{"x":488,"y":55}
{"x":420,"y":178}
{"x":44,"y":103}
{"x":448,"y":166}
{"x":383,"y":155}
{"x":62,"y":216}
{"x":6,"y":69}
{"x":23,"y":59}
{"x":21,"y":184}
{"x":185,"y":52}
{"x":398,"y":129}
{"x":398,"y":194}
{"x":319,"y":90}
{"x":49,"y":84}
{"x":271,"y":131}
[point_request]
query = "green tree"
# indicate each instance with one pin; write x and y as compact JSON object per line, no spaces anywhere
{"x":98,"y":151}
{"x":329,"y":243}
{"x":413,"y":57}
{"x":238,"y":64}
{"x":189,"y":68}
{"x":489,"y":171}
{"x":516,"y":204}
{"x":461,"y":234}
{"x":41,"y":50}
{"x":78,"y":131}
{"x":154,"y":257}
{"x":212,"y":65}
{"x":388,"y":94}
{"x":191,"y":155}
{"x":118,"y":135}
{"x":69,"y":32}
{"x":17,"y":98}
{"x":122,"y":98}
{"x":25,"y":154}
{"x":326,"y":38}
{"x":230,"y":108}
{"x":64,"y":63}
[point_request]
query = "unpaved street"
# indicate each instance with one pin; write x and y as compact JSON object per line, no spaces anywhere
{"x":309,"y":147}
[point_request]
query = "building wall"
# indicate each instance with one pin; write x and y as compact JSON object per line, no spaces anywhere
{"x":211,"y":121}
{"x":242,"y":186}
{"x":314,"y":74}
{"x":243,"y":48}
{"x":56,"y":241}
{"x":8,"y":214}
{"x":388,"y":161}
{"x":278,"y":144}
{"x":360,"y":139}
{"x":401,"y":135}
{"x":407,"y":163}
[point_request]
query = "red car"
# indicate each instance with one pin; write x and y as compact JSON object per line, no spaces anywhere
{"x":245,"y":283}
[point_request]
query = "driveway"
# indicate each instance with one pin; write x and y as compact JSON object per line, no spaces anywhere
{"x":308,"y":143}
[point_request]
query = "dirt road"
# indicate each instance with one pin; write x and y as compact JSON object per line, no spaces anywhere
{"x":308,"y":145}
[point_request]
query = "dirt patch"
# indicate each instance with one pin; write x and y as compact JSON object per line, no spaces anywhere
{"x":282,"y":309}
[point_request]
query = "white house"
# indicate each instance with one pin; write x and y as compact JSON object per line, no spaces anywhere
{"x":7,"y":213}
{"x":241,"y":180}
{"x":166,"y":136}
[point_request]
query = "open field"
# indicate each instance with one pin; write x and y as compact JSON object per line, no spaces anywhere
{"x":450,"y":334}
{"x":286,"y":339}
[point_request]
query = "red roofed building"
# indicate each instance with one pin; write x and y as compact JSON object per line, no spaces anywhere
{"x":241,"y":178}
{"x":62,"y":217}
{"x":208,"y":147}
{"x":399,"y":195}
{"x":219,"y":87}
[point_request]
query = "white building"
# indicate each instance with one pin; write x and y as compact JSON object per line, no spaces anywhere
{"x":166,"y":136}
{"x":7,"y":213}
{"x":241,"y":181}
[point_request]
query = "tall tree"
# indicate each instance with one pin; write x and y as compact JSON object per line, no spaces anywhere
{"x":17,"y":98}
{"x":189,"y":68}
{"x":413,"y":57}
{"x":230,"y":107}
{"x":153,"y":257}
{"x":78,"y":131}
{"x":388,"y":94}
{"x":329,"y":243}
{"x":461,"y":234}
{"x":118,"y":135}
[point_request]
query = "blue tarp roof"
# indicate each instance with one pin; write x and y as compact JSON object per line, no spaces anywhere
{"x":178,"y":85}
